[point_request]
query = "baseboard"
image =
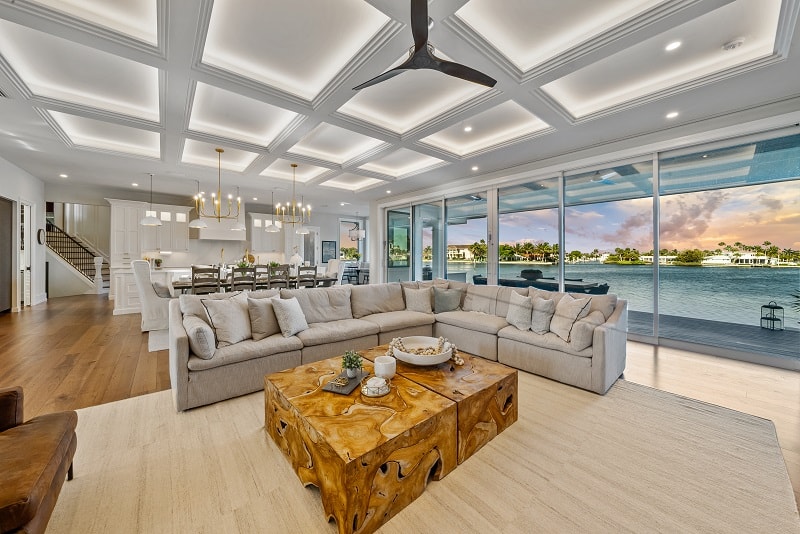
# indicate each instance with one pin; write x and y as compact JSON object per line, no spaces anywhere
{"x":38,"y":299}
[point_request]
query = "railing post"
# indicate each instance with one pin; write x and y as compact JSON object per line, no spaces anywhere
{"x":98,"y":276}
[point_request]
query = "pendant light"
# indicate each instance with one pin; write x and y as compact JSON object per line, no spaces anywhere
{"x":198,"y":222}
{"x":150,"y":220}
{"x":272,"y":227}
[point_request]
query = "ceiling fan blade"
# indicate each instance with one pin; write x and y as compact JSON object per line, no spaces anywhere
{"x":466,"y":73}
{"x":419,"y":23}
{"x":380,"y":78}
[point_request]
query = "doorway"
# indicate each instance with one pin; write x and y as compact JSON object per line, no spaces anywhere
{"x":6,"y":252}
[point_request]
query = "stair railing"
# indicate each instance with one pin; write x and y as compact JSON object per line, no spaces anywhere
{"x":71,"y":251}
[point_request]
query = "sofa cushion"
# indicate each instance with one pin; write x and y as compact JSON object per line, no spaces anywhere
{"x":376,"y":298}
{"x":247,"y":350}
{"x":201,"y":336}
{"x":481,"y":322}
{"x":333,"y":331}
{"x":481,"y":298}
{"x":542,"y":314}
{"x":31,"y":455}
{"x":555,"y":296}
{"x":263,"y":293}
{"x":547,"y":341}
{"x":229,"y":319}
{"x":263,"y":322}
{"x":441,"y":283}
{"x":321,"y":304}
{"x":519,"y":311}
{"x":583,"y":330}
{"x":418,"y":300}
{"x":290,"y":316}
{"x":445,"y":300}
{"x":568,"y":310}
{"x":191,"y":305}
{"x":390,"y":321}
{"x":503,"y":299}
{"x":605,"y":304}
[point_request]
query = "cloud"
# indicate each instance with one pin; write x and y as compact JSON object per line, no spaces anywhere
{"x":774,"y":204}
{"x":685,"y":218}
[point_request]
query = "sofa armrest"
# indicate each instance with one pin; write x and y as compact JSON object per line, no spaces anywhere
{"x":178,"y":356}
{"x":609,"y":349}
{"x":10,"y":407}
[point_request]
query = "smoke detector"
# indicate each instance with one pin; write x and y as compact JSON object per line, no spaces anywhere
{"x":733,"y":45}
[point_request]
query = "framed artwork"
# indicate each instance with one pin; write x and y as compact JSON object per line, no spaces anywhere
{"x":329,"y":251}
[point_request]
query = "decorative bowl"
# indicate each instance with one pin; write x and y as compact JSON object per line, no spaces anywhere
{"x":418,"y":342}
{"x":374,"y":386}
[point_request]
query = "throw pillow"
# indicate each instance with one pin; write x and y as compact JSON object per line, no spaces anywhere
{"x":290,"y":316}
{"x":519,"y":311}
{"x":445,"y":300}
{"x":568,"y":310}
{"x":418,"y":300}
{"x":229,"y":319}
{"x":192,"y":305}
{"x":583,"y":330}
{"x":162,"y":290}
{"x":263,"y":322}
{"x":541,"y":315}
{"x":201,"y":337}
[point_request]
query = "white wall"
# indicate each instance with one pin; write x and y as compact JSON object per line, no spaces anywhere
{"x":91,"y":223}
{"x":21,"y":187}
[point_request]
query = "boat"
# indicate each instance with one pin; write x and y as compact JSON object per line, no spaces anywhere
{"x":527,"y":279}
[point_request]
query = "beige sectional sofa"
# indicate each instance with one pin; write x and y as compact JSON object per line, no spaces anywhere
{"x":222,"y":345}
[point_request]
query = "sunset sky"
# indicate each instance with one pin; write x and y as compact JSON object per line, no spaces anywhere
{"x":750,"y":215}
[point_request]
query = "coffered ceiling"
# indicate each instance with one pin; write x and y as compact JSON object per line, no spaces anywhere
{"x":107,"y":92}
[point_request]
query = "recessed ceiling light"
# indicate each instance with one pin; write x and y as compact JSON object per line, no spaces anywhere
{"x":672,"y":114}
{"x":388,"y":191}
{"x":134,"y":184}
{"x":63,"y":175}
{"x":343,"y":203}
{"x":474,"y":167}
{"x":255,"y":198}
{"x":467,"y":128}
{"x":705,"y":155}
{"x":672,"y":46}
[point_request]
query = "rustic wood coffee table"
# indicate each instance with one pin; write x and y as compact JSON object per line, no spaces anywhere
{"x":369,"y":457}
{"x":485,"y":393}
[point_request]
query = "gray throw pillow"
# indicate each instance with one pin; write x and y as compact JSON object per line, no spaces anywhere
{"x":519,"y":311}
{"x":418,"y":300}
{"x":445,"y":300}
{"x":582,"y":334}
{"x":201,"y":337}
{"x":541,"y":315}
{"x":568,"y":310}
{"x":290,"y":316}
{"x":229,"y":319}
{"x":263,"y":322}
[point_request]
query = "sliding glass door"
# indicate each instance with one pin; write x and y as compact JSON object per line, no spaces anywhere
{"x":398,"y":249}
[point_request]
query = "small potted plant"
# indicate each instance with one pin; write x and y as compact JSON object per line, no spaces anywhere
{"x":351,"y":362}
{"x":158,"y":261}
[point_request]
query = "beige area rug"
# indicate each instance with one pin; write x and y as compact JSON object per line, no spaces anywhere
{"x":634,"y":460}
{"x":157,"y":340}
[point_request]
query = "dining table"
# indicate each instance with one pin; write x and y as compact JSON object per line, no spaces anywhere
{"x":185,"y":286}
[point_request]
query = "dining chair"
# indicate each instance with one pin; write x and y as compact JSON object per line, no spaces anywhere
{"x":279,"y":276}
{"x":205,"y":279}
{"x":154,"y":306}
{"x":243,"y":278}
{"x":262,"y":276}
{"x":306,"y":276}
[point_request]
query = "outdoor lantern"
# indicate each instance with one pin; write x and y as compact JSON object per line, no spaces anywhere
{"x":772,"y":316}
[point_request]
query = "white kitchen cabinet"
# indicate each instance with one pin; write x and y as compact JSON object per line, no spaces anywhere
{"x":172,"y":235}
{"x":125,"y":246}
{"x":261,"y":241}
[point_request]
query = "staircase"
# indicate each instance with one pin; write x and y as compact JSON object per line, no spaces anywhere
{"x":77,"y":254}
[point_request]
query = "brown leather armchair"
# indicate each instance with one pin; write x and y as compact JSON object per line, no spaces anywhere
{"x":35,"y":458}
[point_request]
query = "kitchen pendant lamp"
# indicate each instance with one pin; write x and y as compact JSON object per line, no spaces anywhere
{"x":197,"y":222}
{"x":272,"y":227}
{"x":150,"y":218}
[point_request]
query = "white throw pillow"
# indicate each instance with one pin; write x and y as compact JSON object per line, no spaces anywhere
{"x":568,"y":310}
{"x":229,"y":319}
{"x":201,"y":337}
{"x":541,"y":314}
{"x":583,"y":330}
{"x":290,"y":316}
{"x":519,"y":311}
{"x":419,"y":300}
{"x":263,"y":322}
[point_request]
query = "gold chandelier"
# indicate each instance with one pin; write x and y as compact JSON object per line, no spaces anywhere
{"x":216,"y":199}
{"x":294,"y":212}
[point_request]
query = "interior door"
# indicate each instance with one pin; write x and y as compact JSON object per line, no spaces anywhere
{"x":25,"y":247}
{"x":6,"y":252}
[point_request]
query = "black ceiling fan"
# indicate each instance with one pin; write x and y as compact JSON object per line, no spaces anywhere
{"x":422,"y":56}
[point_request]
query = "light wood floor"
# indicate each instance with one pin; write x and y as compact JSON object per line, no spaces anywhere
{"x":71,"y":352}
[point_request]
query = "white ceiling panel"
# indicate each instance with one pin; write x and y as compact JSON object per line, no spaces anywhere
{"x":296,"y":46}
{"x":648,"y":67}
{"x":528,"y":33}
{"x":350,"y":182}
{"x":282,"y":170}
{"x":108,"y":136}
{"x":136,"y":18}
{"x":205,"y":154}
{"x":499,"y":124}
{"x":401,"y":162}
{"x":334,"y":144}
{"x":227,"y":114}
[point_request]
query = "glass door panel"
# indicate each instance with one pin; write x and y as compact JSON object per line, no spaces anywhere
{"x":398,"y":251}
{"x":466,"y":237}
{"x":428,"y":241}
